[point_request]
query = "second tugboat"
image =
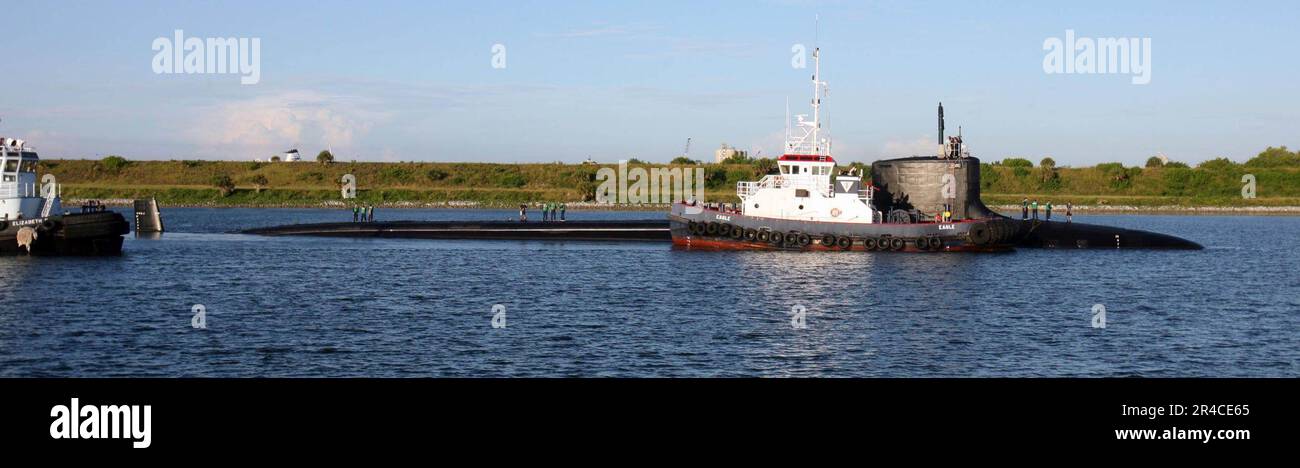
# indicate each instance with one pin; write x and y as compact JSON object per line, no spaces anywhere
{"x":32,"y":221}
{"x":810,"y":205}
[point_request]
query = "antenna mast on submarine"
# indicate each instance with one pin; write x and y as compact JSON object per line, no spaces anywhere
{"x":940,"y":124}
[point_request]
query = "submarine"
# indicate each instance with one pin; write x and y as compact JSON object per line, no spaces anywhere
{"x":911,"y":199}
{"x":920,"y":186}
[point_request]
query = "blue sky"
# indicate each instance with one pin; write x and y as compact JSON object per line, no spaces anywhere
{"x":388,"y":81}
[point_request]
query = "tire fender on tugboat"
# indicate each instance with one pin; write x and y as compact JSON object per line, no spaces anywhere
{"x":979,"y":234}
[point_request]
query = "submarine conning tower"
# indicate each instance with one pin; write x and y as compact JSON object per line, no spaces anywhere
{"x":928,"y":185}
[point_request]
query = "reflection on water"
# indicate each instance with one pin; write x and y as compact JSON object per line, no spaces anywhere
{"x":392,"y":307}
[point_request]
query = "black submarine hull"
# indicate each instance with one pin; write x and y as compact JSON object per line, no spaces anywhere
{"x":924,"y":184}
{"x":1071,"y":235}
{"x":633,"y":230}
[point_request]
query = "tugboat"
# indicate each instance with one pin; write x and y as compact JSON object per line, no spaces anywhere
{"x":811,"y":205}
{"x":32,"y":220}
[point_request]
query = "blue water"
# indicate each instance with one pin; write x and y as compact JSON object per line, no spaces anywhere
{"x":373,"y":307}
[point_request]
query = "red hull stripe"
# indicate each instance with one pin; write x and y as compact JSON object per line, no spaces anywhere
{"x":806,"y":157}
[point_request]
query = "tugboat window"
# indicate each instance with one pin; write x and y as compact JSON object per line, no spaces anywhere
{"x":11,"y":165}
{"x":802,"y":193}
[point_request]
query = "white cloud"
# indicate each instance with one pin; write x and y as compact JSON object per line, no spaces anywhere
{"x":771,"y":145}
{"x":270,"y":124}
{"x":921,"y":146}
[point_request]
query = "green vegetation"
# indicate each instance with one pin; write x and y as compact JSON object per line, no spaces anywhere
{"x":1016,"y":162}
{"x":683,"y":160}
{"x":115,"y":164}
{"x":325,"y":157}
{"x":1275,"y":157}
{"x":224,"y":184}
{"x":1216,"y":182}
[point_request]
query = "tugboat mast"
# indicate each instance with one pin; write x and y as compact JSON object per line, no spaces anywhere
{"x":817,"y":100}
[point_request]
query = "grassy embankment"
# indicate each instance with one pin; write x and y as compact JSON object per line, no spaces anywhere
{"x":1215,"y":183}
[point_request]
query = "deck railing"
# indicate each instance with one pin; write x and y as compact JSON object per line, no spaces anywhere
{"x":16,"y":190}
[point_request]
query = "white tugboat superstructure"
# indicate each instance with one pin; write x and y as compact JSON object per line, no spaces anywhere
{"x":807,"y":186}
{"x":20,"y":196}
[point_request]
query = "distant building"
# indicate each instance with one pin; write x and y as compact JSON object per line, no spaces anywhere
{"x":291,"y":156}
{"x":727,"y":152}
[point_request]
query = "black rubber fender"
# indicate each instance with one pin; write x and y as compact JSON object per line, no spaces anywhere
{"x":751,"y":234}
{"x":777,"y":237}
{"x":844,"y":242}
{"x":737,"y":233}
{"x":711,"y":229}
{"x":764,"y":235}
{"x":47,"y":226}
{"x":828,"y":240}
{"x":804,"y":239}
{"x":869,"y":243}
{"x":897,"y":243}
{"x":979,"y":234}
{"x":694,"y":228}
